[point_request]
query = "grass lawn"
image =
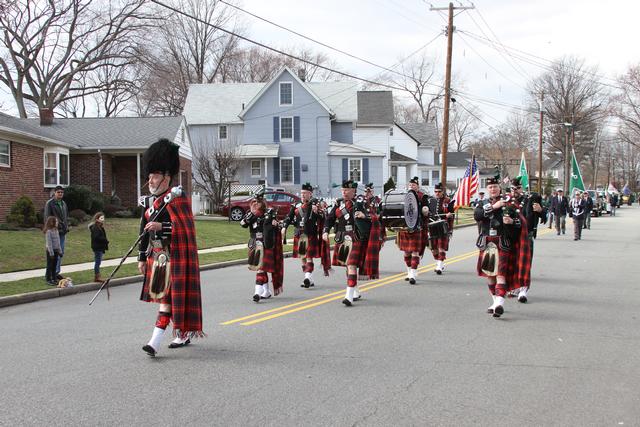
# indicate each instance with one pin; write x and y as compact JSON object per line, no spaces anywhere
{"x":127,"y":270}
{"x":24,"y":250}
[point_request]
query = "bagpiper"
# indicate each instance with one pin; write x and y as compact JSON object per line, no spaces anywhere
{"x":441,"y":217}
{"x":265,"y":247}
{"x":503,"y":245}
{"x":534,"y":214}
{"x":307,"y":217}
{"x":349,"y":250}
{"x":168,"y":253}
{"x":370,"y":227}
{"x":413,"y":242}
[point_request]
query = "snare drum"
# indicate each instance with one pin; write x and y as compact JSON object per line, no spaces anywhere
{"x":438,"y":229}
{"x":401,"y":210}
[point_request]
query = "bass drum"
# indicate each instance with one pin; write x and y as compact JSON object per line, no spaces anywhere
{"x":401,"y":210}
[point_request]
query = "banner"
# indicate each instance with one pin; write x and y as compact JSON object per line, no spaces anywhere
{"x":576,"y":177}
{"x":523,"y":174}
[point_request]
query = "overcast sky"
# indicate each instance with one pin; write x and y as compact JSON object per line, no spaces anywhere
{"x":384,"y":31}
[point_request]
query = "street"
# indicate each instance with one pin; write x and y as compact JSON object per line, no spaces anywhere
{"x":404,"y":355}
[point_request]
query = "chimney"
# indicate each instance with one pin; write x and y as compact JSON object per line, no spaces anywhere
{"x":46,"y":116}
{"x":302,"y":75}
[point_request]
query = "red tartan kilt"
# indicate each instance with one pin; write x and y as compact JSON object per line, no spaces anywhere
{"x":144,"y":296}
{"x":441,"y":243}
{"x":268,"y":260}
{"x":313,"y":247}
{"x":410,"y":242}
{"x":506,"y":263}
{"x":356,"y":256}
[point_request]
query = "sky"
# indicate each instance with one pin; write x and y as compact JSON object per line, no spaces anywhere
{"x":384,"y":31}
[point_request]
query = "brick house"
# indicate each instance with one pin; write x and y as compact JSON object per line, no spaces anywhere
{"x":102,"y":153}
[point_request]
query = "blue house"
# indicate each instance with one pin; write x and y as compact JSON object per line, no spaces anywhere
{"x":290,"y":131}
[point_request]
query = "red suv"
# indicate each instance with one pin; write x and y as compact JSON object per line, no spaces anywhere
{"x":279,"y":200}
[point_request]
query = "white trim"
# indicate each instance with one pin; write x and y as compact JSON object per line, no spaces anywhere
{"x":280,"y":93}
{"x":293,"y":131}
{"x":57,"y":152}
{"x":226,"y":131}
{"x":358,"y":159}
{"x":259,"y":167}
{"x":8,"y":164}
{"x":293,"y":172}
{"x":138,"y":173}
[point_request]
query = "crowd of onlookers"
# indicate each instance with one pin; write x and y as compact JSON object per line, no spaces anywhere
{"x":56,"y":227}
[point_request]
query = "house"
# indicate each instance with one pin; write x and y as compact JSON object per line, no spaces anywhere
{"x":290,"y":131}
{"x":103,"y":153}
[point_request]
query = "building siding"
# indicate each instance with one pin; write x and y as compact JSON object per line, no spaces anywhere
{"x":342,"y":132}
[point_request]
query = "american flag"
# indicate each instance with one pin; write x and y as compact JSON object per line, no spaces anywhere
{"x":468,"y":186}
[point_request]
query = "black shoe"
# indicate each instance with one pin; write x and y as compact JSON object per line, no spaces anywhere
{"x":52,"y":283}
{"x":575,"y":238}
{"x":406,"y":279}
{"x":438,"y":272}
{"x":149,"y":350}
{"x":178,"y":345}
{"x":522,"y":299}
{"x":306,"y":283}
{"x":412,"y":281}
{"x":256,"y":298}
{"x":261,"y":297}
{"x":346,"y":302}
{"x":558,"y":233}
{"x":498,"y":311}
{"x":357,"y":298}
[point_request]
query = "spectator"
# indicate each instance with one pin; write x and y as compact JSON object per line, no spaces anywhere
{"x":52,"y":245}
{"x":58,"y":208}
{"x":614,"y":204}
{"x":99,"y":243}
{"x":548,"y":206}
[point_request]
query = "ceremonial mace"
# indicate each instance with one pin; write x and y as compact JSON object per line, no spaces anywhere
{"x":175,"y":192}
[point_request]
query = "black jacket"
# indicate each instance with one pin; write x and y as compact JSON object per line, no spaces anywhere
{"x":99,"y":242}
{"x":559,"y":208}
{"x":51,"y":208}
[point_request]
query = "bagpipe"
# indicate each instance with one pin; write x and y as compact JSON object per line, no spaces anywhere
{"x":264,"y":239}
{"x":303,"y":239}
{"x":153,"y":215}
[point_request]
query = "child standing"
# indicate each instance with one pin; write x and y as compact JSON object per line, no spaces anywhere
{"x":52,"y":244}
{"x":99,"y":243}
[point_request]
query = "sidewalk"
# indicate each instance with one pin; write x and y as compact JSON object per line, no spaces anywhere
{"x":40,"y":272}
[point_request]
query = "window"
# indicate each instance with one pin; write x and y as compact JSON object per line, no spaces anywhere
{"x":5,"y":153}
{"x":222,"y":132}
{"x":394,"y":173}
{"x":269,"y":197}
{"x":286,"y":93}
{"x":425,"y":182}
{"x":56,"y":169}
{"x":286,"y":129}
{"x":286,"y":170}
{"x":256,"y":168}
{"x":390,"y":131}
{"x":355,"y":169}
{"x":436,"y":176}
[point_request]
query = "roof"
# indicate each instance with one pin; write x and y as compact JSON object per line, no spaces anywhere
{"x":248,"y":151}
{"x":341,"y":149}
{"x":100,"y":132}
{"x":456,"y":159}
{"x":375,"y":108}
{"x":425,"y":134}
{"x":397,"y":157}
{"x":214,"y":103}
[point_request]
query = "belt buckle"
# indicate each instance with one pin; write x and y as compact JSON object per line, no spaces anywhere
{"x":493,"y":232}
{"x":348,"y":228}
{"x":258,"y":235}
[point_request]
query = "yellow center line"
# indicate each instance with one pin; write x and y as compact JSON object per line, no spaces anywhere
{"x":337,"y":294}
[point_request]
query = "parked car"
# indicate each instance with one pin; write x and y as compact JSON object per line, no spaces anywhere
{"x":279,"y":200}
{"x":599,"y":205}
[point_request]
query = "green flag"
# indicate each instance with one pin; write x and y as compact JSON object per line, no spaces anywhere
{"x":523,"y":174}
{"x":576,"y":177}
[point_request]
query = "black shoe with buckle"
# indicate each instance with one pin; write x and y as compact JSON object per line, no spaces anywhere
{"x":346,"y":302}
{"x":149,"y":350}
{"x":256,"y":298}
{"x":178,"y":344}
{"x":412,"y":281}
{"x":498,"y":311}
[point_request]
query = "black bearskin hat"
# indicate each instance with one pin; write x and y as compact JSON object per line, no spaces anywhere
{"x":515,"y":182}
{"x":438,"y":186}
{"x":415,"y":180}
{"x":369,"y":186}
{"x":349,"y":184}
{"x":162,"y":157}
{"x":307,"y":186}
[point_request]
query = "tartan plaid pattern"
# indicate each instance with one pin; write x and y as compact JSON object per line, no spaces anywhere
{"x":313,"y":247}
{"x":410,"y":242}
{"x":356,"y":256}
{"x":325,"y":250}
{"x":371,"y":268}
{"x":524,"y":257}
{"x":273,"y":262}
{"x":184,"y":296}
{"x":506,"y":263}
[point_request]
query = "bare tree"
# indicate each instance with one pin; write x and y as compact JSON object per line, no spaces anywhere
{"x":464,"y":122}
{"x":215,"y":164}
{"x":47,"y":46}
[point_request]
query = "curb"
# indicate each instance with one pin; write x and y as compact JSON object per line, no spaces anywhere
{"x":88,"y":287}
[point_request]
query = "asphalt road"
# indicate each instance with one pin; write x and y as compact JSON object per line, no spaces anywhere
{"x":405,"y":355}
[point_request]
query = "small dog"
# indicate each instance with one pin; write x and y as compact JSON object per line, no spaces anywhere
{"x":65,"y":283}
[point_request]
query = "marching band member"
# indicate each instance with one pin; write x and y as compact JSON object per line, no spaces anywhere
{"x":370,"y":228}
{"x":305,"y":216}
{"x":413,"y":243}
{"x":503,"y":244}
{"x":348,"y":249}
{"x":440,"y":208}
{"x":534,"y":213}
{"x":168,"y":257}
{"x":577,"y":208}
{"x":265,"y":247}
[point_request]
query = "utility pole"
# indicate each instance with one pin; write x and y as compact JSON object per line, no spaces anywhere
{"x":447,"y":87}
{"x":540,"y":144}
